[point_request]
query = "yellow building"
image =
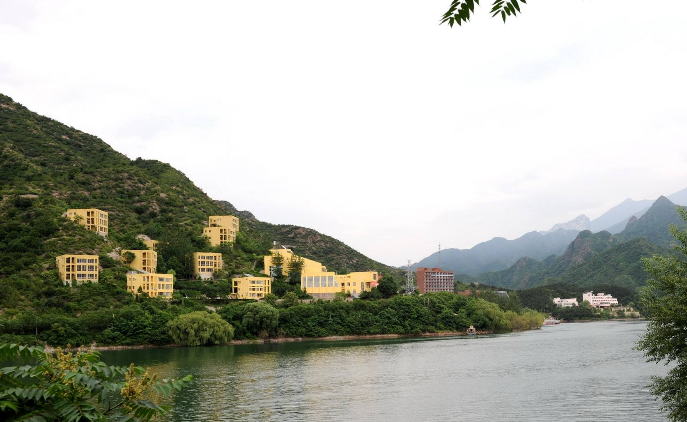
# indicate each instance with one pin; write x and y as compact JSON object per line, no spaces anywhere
{"x":319,"y":282}
{"x":221,"y":229}
{"x":287,"y":255}
{"x":251,"y":287}
{"x":78,"y":268}
{"x":93,"y":219}
{"x":151,"y":244}
{"x":144,"y":260}
{"x":206,"y":263}
{"x":155,"y":285}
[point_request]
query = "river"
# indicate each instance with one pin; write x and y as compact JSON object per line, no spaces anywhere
{"x":578,"y":371}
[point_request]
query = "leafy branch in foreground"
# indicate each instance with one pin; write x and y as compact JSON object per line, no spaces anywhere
{"x":666,"y":337}
{"x":461,"y":11}
{"x":77,"y":386}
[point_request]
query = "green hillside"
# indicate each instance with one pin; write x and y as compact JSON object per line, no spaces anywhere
{"x":653,"y":224}
{"x":47,"y":167}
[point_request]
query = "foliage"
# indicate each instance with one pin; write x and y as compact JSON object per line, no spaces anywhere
{"x":408,"y":314}
{"x":260,"y":319}
{"x":290,"y":299}
{"x":199,"y":329}
{"x":460,"y":11}
{"x":295,"y":268}
{"x":387,"y":286}
{"x":73,"y":386}
{"x":666,"y":338}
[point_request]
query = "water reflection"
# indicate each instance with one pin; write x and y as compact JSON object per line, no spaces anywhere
{"x":572,"y":371}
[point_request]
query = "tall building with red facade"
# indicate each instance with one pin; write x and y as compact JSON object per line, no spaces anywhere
{"x":434,"y":280}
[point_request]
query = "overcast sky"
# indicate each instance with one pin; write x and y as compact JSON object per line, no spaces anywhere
{"x":367,"y":121}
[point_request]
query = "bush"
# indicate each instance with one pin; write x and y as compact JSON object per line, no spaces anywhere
{"x":260,"y":318}
{"x":200,"y":328}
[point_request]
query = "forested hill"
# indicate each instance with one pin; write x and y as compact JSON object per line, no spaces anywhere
{"x":597,"y":258}
{"x":47,"y":167}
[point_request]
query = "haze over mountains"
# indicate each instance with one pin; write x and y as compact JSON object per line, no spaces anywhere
{"x":500,"y":254}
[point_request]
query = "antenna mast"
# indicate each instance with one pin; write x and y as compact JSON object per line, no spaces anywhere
{"x":409,"y":280}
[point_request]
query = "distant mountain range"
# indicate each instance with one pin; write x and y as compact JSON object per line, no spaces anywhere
{"x":499,"y":253}
{"x":596,"y":258}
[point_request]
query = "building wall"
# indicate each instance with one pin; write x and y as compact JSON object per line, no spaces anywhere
{"x":599,"y":300}
{"x":146,"y":260}
{"x":328,"y":282}
{"x":206,"y":263}
{"x":435,"y":280}
{"x":78,"y":268}
{"x":93,"y":219}
{"x":228,"y":221}
{"x":155,"y":285}
{"x":219,"y":235}
{"x":309,"y":266}
{"x":151,"y":244}
{"x":251,"y":287}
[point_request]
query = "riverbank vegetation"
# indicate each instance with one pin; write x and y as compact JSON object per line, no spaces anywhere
{"x":406,"y":314}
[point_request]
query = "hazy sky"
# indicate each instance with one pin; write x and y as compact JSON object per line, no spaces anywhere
{"x":367,"y":121}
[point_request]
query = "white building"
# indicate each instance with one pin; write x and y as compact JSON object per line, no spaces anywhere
{"x":565,"y":303}
{"x":599,"y":300}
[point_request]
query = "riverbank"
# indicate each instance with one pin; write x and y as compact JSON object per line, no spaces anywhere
{"x":95,"y":347}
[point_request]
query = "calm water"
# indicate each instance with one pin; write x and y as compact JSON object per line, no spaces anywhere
{"x":580,"y":372}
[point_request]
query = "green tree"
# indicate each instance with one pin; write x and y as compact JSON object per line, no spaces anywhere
{"x":67,"y":386}
{"x":665,"y":298}
{"x":271,"y":299}
{"x":277,"y":269}
{"x":290,"y":299}
{"x":260,"y":318}
{"x":387,"y":286}
{"x":200,"y":328}
{"x":295,"y":268}
{"x":128,"y":257}
{"x":461,"y":11}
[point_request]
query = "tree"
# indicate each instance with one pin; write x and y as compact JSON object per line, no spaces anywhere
{"x":387,"y":286}
{"x":200,"y":328}
{"x":260,"y":318}
{"x":461,"y":11}
{"x":67,"y":386}
{"x":128,"y":257}
{"x":276,"y":270}
{"x":295,"y":268}
{"x":665,"y":298}
{"x":290,"y":299}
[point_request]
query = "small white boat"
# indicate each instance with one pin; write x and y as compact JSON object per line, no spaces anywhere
{"x":552,"y":321}
{"x":472,"y":331}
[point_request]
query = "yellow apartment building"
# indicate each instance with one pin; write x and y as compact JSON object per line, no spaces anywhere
{"x":221,"y":229}
{"x":250,"y":287}
{"x":78,"y":268}
{"x":93,"y":219}
{"x":151,"y":244}
{"x":206,"y":263}
{"x":154,"y":285}
{"x":319,"y":282}
{"x":145,"y":260}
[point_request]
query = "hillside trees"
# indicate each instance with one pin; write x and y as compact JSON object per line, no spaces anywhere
{"x":666,"y":338}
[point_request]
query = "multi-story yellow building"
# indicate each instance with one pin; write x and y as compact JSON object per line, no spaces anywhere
{"x":221,"y":229}
{"x":151,"y":244}
{"x":206,"y":263}
{"x":93,"y":219}
{"x":154,"y":285}
{"x":78,"y":268}
{"x":319,"y":282}
{"x":251,"y":287}
{"x":309,"y":266}
{"x":144,"y":260}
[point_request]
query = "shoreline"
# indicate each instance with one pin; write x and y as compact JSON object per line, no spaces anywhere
{"x":277,"y":340}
